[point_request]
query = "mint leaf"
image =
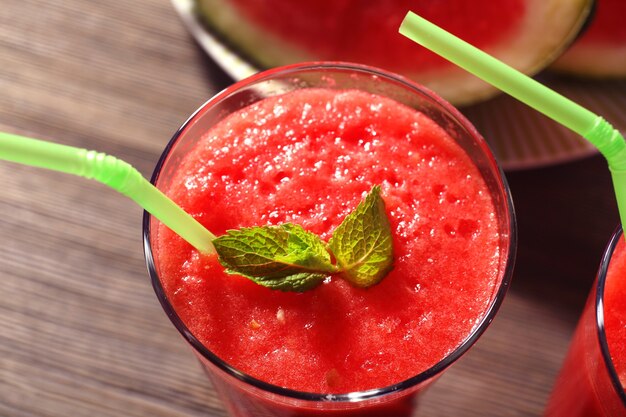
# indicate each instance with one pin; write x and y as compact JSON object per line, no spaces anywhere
{"x":284,"y":257}
{"x":296,"y":283}
{"x":362,"y":243}
{"x":288,"y":258}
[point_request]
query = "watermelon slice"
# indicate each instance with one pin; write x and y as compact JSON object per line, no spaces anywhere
{"x":527,"y":34}
{"x":601,"y":50}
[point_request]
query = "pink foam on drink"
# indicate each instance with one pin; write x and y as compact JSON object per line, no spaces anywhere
{"x":585,"y":387}
{"x":615,"y":310}
{"x":309,"y":157}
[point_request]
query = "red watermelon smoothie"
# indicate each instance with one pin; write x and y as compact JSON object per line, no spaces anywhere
{"x":304,"y":144}
{"x":592,"y":380}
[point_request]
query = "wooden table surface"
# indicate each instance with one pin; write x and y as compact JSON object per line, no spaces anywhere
{"x":81,"y":331}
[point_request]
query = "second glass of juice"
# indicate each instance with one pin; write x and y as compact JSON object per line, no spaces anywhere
{"x":592,"y":380}
{"x":304,"y":144}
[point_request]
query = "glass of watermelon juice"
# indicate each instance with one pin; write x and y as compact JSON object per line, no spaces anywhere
{"x":303,"y":144}
{"x":592,"y":380}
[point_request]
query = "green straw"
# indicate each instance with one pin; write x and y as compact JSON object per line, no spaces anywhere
{"x":110,"y":171}
{"x":592,"y":127}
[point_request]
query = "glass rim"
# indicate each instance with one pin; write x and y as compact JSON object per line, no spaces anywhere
{"x":355,"y":396}
{"x":599,"y":307}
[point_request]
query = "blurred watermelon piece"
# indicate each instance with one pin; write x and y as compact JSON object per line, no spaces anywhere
{"x":601,"y":50}
{"x":527,"y":34}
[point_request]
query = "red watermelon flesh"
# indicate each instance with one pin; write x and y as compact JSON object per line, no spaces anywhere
{"x":368,"y":33}
{"x":527,"y":34}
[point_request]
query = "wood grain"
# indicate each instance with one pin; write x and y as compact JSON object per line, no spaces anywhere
{"x":82,"y":332}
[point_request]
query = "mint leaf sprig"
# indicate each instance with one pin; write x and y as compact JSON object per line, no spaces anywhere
{"x":288,"y":258}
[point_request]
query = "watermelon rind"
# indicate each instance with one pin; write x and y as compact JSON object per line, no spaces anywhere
{"x":600,"y":51}
{"x":593,"y":61}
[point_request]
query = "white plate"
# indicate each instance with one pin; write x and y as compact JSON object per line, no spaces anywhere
{"x":520,"y":137}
